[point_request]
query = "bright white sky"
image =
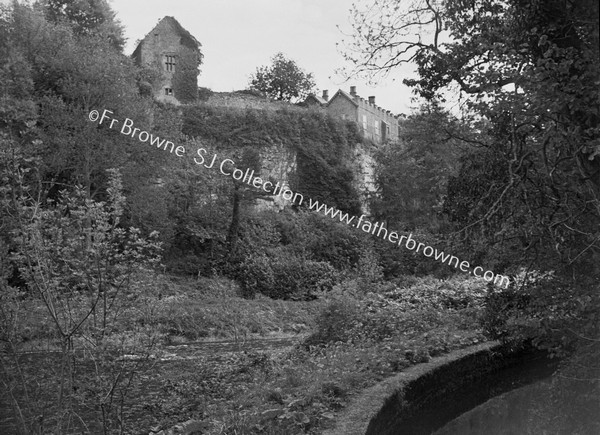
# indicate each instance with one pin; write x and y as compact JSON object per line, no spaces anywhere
{"x":237,"y":36}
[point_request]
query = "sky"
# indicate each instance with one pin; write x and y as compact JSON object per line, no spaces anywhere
{"x":237,"y":36}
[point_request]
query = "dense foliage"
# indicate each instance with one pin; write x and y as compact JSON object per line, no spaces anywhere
{"x":323,"y":145}
{"x":185,"y":78}
{"x":412,"y":175}
{"x":528,"y":195}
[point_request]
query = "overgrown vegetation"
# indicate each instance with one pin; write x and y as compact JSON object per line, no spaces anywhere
{"x":527,"y":191}
{"x":90,"y":305}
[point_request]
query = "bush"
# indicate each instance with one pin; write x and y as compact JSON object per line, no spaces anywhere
{"x":204,"y":93}
{"x":455,"y":293}
{"x":284,"y":277}
{"x":322,"y":238}
{"x":335,"y":322}
{"x":399,"y":261}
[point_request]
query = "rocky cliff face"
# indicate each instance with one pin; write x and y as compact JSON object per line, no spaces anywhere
{"x":305,"y":149}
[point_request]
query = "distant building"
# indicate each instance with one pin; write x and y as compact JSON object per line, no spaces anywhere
{"x":162,"y":50}
{"x":376,"y":123}
{"x":314,"y":100}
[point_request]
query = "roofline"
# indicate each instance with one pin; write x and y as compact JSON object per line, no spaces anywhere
{"x":181,"y":30}
{"x":343,"y":94}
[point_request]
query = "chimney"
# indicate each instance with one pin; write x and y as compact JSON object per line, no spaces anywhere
{"x":353,"y":91}
{"x":372,"y":99}
{"x":325,"y":94}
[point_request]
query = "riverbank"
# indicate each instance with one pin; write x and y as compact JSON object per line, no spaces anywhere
{"x":339,"y":345}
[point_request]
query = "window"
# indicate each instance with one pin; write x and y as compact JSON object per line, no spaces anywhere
{"x":156,"y":37}
{"x":168,"y":91}
{"x":385,"y":131}
{"x":364,"y":123}
{"x":170,"y":63}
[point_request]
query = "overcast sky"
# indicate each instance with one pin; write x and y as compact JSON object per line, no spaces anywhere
{"x":237,"y":36}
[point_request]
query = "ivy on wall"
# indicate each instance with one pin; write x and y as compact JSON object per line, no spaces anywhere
{"x":323,"y":145}
{"x":185,"y":78}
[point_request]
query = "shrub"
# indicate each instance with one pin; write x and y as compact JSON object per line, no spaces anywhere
{"x":335,"y":322}
{"x":204,"y":93}
{"x":398,"y":260}
{"x":455,"y":293}
{"x":284,"y":276}
{"x":322,"y":239}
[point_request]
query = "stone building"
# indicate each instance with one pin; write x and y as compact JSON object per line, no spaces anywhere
{"x":166,"y":49}
{"x":376,"y":123}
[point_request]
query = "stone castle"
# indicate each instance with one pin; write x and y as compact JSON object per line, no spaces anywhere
{"x":160,"y":48}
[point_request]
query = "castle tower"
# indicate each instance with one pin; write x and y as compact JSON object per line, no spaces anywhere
{"x":175,"y":54}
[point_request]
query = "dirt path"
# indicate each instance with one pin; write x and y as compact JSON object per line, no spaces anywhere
{"x":199,"y":349}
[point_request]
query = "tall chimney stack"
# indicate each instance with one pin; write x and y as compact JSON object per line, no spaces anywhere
{"x":353,"y":91}
{"x":325,"y":94}
{"x":372,"y":99}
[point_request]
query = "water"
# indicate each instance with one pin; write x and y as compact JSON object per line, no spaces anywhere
{"x":521,"y":393}
{"x":555,"y":405}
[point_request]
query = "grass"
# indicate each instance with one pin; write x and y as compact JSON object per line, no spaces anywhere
{"x":354,"y":342}
{"x":350,"y":341}
{"x":211,"y":309}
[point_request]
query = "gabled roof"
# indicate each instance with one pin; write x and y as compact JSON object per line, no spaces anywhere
{"x":318,"y":99}
{"x":187,"y":38}
{"x":344,"y":94}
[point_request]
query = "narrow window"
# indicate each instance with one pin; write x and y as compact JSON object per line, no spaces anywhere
{"x":168,"y":91}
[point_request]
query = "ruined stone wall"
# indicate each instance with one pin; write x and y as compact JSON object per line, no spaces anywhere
{"x":279,"y":163}
{"x":162,"y":41}
{"x":364,"y":172}
{"x":247,"y":100}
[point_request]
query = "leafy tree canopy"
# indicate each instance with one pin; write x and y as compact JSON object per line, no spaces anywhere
{"x":87,"y":17}
{"x":283,"y":80}
{"x":530,"y":70}
{"x":412,"y":175}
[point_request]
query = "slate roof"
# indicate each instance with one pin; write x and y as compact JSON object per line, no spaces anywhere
{"x":318,"y":99}
{"x":344,"y":94}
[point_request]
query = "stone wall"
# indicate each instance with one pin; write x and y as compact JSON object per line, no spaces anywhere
{"x":248,"y":100}
{"x":377,"y":124}
{"x":435,"y":391}
{"x":342,"y":108}
{"x":278,"y":164}
{"x":364,"y":173}
{"x":370,"y":116}
{"x":163,"y":40}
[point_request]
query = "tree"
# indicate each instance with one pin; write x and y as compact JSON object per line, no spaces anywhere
{"x":88,"y":17}
{"x":82,"y":270}
{"x":64,"y":77}
{"x":528,"y":69}
{"x":530,"y":193}
{"x":283,"y":80}
{"x":412,"y":175}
